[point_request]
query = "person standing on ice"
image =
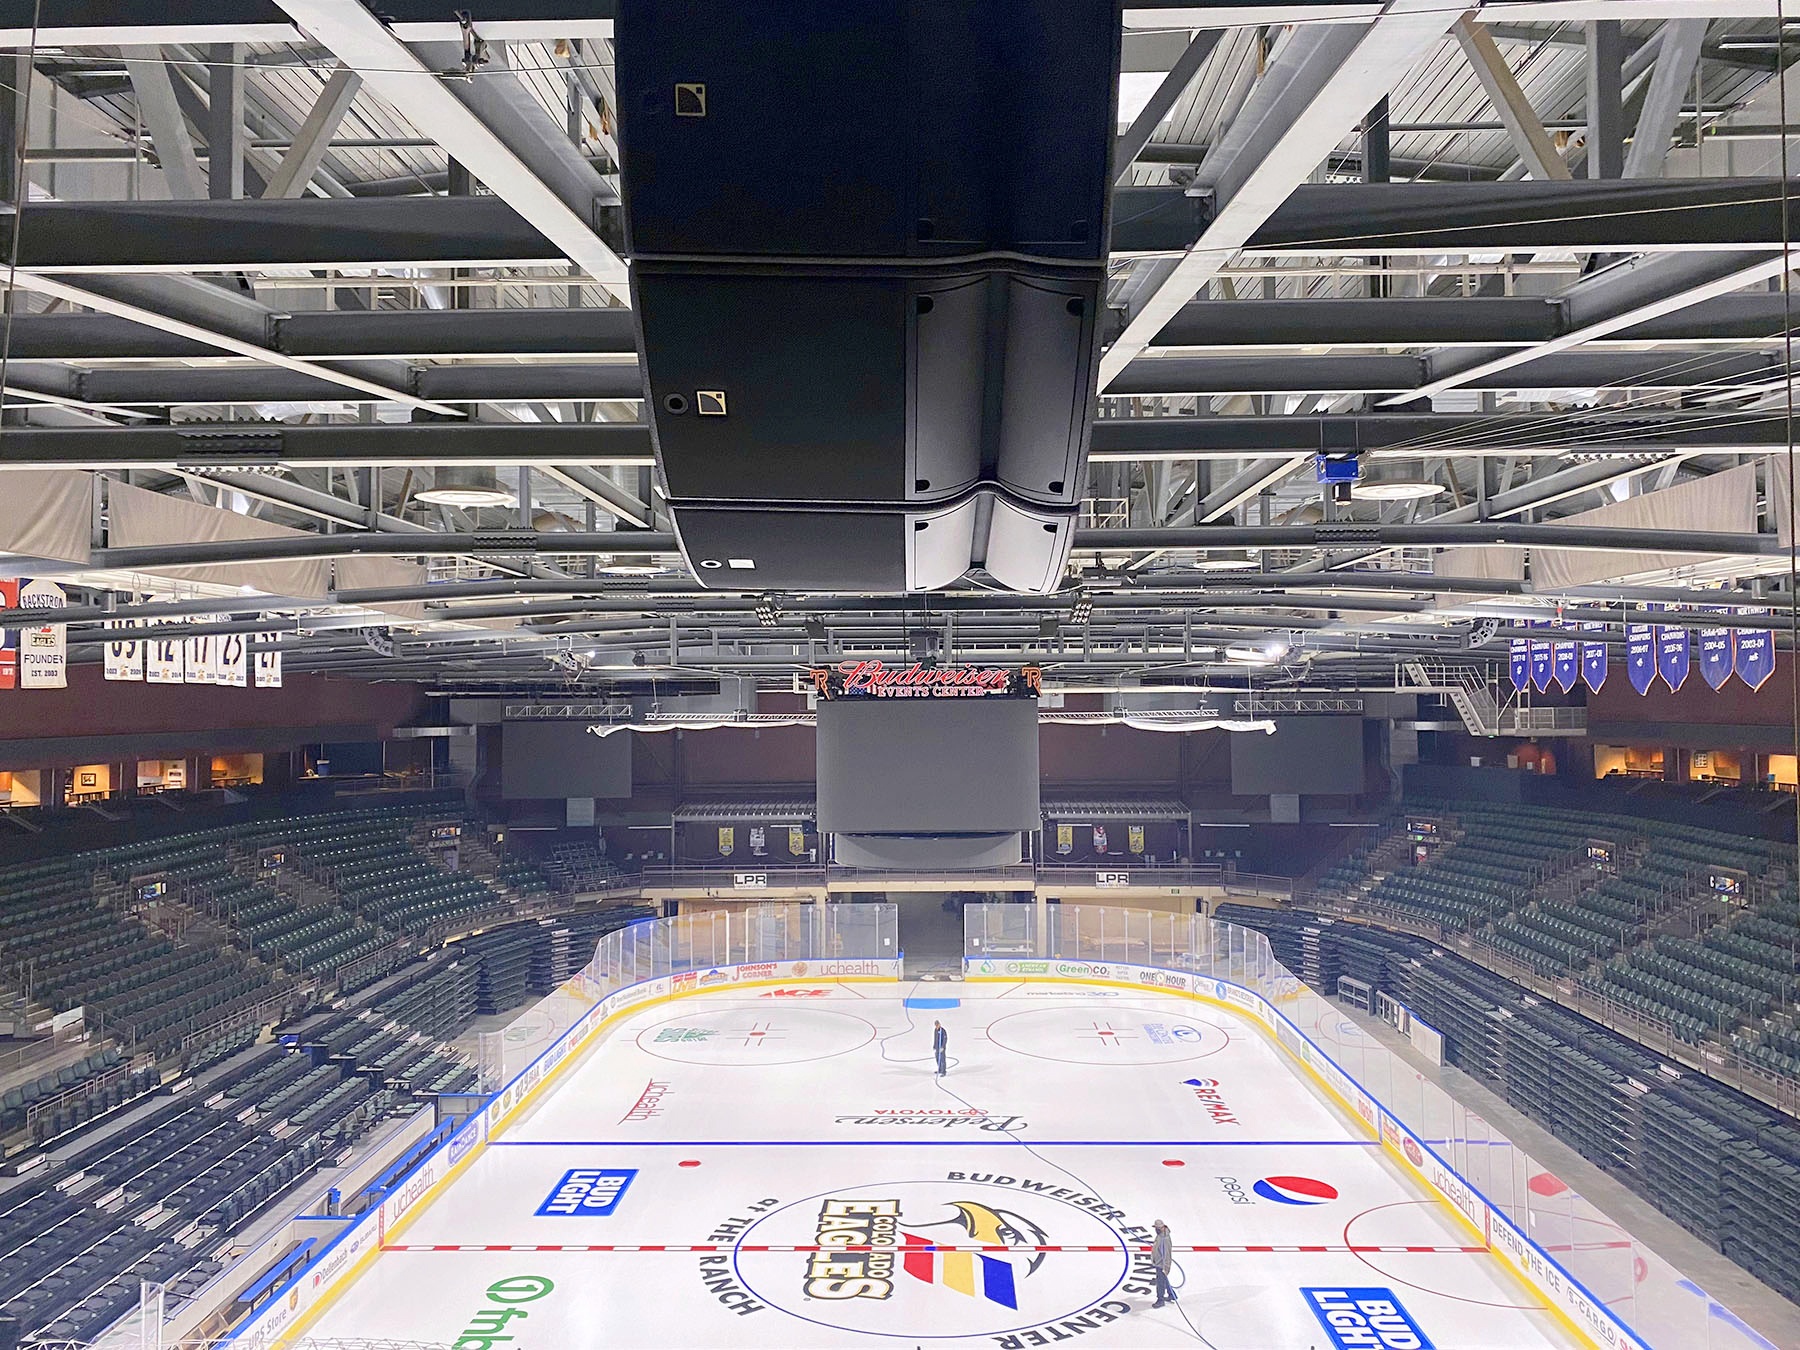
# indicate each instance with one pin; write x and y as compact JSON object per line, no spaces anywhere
{"x":940,"y":1046}
{"x":1162,"y":1256}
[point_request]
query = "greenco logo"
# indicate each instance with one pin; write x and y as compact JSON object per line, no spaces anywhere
{"x":487,"y":1328}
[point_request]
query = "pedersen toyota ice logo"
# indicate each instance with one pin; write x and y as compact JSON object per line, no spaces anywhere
{"x":588,"y":1191}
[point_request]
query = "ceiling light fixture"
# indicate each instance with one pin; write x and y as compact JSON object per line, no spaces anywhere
{"x":466,"y":485}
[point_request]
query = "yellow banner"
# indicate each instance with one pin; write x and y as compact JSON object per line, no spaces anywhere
{"x":796,"y":841}
{"x":727,"y":840}
{"x":1065,"y":838}
{"x":1134,"y":838}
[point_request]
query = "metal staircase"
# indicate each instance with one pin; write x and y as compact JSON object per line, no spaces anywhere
{"x":1474,"y":702}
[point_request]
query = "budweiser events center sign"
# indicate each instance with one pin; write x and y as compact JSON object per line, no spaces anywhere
{"x":877,"y":679}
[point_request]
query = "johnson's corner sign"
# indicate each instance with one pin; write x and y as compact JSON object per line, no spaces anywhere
{"x":877,"y":679}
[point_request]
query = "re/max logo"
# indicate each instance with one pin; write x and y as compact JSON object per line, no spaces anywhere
{"x":593,"y":1191}
{"x":1365,"y":1319}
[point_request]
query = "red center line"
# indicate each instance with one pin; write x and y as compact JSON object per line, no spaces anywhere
{"x":940,"y":1247}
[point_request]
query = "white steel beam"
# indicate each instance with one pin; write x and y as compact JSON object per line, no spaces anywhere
{"x":1523,"y":126}
{"x":313,"y":140}
{"x":169,"y":131}
{"x":1670,"y":81}
{"x":89,"y":299}
{"x":421,"y":94}
{"x":1319,"y":85}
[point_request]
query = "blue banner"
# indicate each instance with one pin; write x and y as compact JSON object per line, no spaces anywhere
{"x":1640,"y":656}
{"x":1754,"y":655}
{"x":1518,"y":664}
{"x":1715,"y":654}
{"x":1565,"y":663}
{"x":1672,"y":655}
{"x":1593,"y":658}
{"x":1540,"y":661}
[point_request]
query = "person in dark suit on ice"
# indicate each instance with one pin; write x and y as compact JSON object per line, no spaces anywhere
{"x":940,"y":1046}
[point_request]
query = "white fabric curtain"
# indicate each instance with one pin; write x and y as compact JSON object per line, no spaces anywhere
{"x":47,"y":514}
{"x":138,"y":517}
{"x":1723,"y":503}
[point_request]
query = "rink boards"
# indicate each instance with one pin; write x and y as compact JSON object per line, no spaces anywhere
{"x":774,"y":1163}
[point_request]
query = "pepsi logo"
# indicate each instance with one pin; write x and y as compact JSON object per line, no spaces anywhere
{"x":1295,"y":1190}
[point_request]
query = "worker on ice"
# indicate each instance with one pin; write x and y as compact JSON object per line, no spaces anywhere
{"x":1162,"y":1256}
{"x":940,"y":1046}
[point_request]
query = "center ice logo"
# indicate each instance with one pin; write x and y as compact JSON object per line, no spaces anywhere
{"x":860,"y":1240}
{"x":938,"y":1259}
{"x":588,"y":1191}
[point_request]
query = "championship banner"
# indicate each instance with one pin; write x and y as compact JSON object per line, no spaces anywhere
{"x":44,"y":649}
{"x":123,"y":660}
{"x":233,"y":667}
{"x":268,"y":669}
{"x":165,"y":661}
{"x":1715,"y":652}
{"x":1753,"y":655}
{"x":1518,"y":664}
{"x":727,"y":840}
{"x":1134,"y":838}
{"x":796,"y":841}
{"x":1593,"y":658}
{"x":1065,"y":838}
{"x":759,"y":841}
{"x":9,"y":638}
{"x":1099,"y":838}
{"x":1672,"y":655}
{"x":877,"y":679}
{"x":1565,"y":665}
{"x":1640,"y":656}
{"x":1540,"y":661}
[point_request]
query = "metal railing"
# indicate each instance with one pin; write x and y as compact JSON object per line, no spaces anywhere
{"x":1666,"y":1309}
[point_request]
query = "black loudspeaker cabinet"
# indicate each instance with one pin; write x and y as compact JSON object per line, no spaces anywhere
{"x":868,"y":258}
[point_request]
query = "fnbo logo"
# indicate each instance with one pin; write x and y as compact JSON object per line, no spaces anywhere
{"x":487,"y":1328}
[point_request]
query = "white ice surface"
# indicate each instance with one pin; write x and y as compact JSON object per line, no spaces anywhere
{"x":1081,"y":1115}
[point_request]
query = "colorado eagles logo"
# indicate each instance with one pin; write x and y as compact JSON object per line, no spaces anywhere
{"x":860,"y":1242}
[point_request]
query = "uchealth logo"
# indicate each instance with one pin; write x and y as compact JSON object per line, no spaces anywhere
{"x":491,"y":1326}
{"x":939,"y":1259}
{"x":1206,"y":1092}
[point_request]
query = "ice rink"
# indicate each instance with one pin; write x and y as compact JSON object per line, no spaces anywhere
{"x":782,"y":1167}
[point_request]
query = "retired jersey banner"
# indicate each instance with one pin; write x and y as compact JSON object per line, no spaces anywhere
{"x":1540,"y":661}
{"x":44,"y":648}
{"x":1593,"y":658}
{"x":1518,"y":664}
{"x":727,"y":840}
{"x":1565,"y":665}
{"x":877,"y":679}
{"x":759,"y":841}
{"x":1099,"y":838}
{"x":9,"y":638}
{"x":1640,"y":656}
{"x":1134,"y":838}
{"x":1753,"y":655}
{"x":233,"y":665}
{"x":200,"y":655}
{"x":1715,"y":655}
{"x":165,"y":661}
{"x":124,"y":660}
{"x":268,"y":668}
{"x":1672,"y":655}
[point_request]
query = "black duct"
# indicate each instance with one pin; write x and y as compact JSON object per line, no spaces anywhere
{"x":869,"y":249}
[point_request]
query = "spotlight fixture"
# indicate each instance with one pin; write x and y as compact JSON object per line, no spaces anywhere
{"x":768,"y":613}
{"x":1082,"y":610}
{"x":1049,"y":628}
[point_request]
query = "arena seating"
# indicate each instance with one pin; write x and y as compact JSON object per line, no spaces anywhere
{"x":1723,"y":1165}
